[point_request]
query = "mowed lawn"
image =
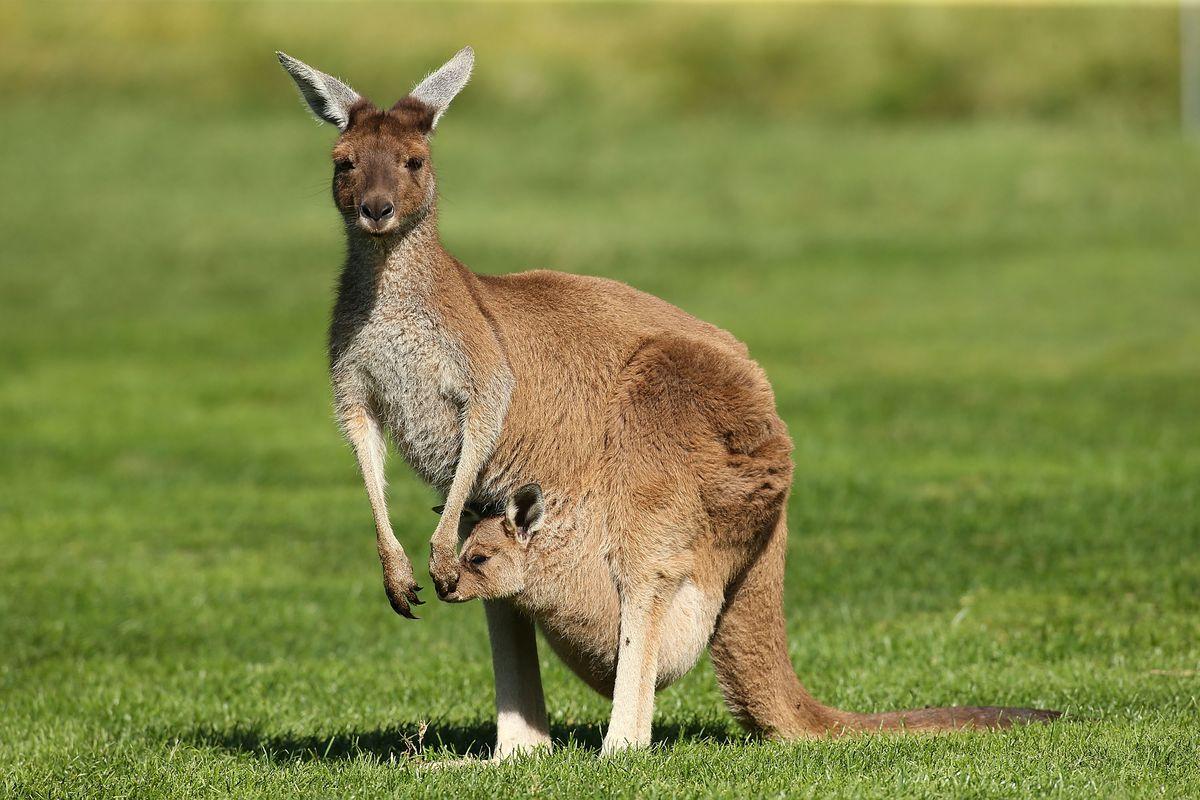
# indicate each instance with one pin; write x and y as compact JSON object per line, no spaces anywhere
{"x":984,"y":336}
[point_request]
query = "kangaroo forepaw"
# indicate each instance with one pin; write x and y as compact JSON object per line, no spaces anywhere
{"x":401,"y":588}
{"x":443,"y":569}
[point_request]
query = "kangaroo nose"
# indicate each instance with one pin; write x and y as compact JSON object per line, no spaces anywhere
{"x":376,"y":210}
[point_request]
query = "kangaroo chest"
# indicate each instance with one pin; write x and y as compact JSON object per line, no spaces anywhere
{"x":414,"y":377}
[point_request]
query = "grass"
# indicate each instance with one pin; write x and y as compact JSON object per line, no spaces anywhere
{"x":983,"y":332}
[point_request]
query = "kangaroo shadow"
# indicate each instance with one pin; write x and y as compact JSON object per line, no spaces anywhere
{"x":411,"y":740}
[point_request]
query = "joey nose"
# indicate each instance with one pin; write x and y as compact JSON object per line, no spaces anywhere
{"x":377,"y":209}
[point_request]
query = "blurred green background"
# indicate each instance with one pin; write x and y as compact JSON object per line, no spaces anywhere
{"x":961,"y":240}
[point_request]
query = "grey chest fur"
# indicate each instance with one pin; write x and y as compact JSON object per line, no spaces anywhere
{"x":413,"y":375}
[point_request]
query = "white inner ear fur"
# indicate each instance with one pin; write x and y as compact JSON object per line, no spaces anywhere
{"x":441,"y":86}
{"x":327,"y":97}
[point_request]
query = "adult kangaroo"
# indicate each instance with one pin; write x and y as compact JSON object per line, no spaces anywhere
{"x":483,"y":381}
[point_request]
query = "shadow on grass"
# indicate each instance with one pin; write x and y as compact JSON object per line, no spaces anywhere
{"x":405,"y":741}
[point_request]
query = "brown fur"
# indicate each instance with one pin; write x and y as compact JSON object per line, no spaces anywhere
{"x":653,"y":433}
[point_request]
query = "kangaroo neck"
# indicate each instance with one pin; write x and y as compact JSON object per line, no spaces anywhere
{"x":404,"y":267}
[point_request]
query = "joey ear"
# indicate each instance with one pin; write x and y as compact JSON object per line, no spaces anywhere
{"x":329,"y":98}
{"x":525,"y":510}
{"x":441,"y":86}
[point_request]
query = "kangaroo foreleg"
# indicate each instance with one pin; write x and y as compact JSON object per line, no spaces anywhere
{"x":482,"y":421}
{"x":365,"y":435}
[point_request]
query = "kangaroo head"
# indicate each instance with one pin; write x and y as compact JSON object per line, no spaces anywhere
{"x":492,"y":564}
{"x":383,"y":182}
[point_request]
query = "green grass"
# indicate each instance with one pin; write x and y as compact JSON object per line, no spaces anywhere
{"x":983,"y":330}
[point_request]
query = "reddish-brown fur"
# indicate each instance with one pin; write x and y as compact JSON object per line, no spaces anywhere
{"x":653,"y":433}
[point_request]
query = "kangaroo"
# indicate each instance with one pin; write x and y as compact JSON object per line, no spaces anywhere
{"x":653,"y":431}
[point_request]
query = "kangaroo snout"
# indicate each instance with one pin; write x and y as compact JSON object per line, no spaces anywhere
{"x":375,"y":214}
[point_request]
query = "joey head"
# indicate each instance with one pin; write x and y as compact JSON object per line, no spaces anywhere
{"x":493,"y":560}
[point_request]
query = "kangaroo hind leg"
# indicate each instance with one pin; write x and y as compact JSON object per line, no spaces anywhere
{"x":643,"y":607}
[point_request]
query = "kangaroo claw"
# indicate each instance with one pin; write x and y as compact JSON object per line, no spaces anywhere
{"x":401,"y":589}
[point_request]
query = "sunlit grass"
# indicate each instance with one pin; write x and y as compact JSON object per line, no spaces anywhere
{"x":984,"y":336}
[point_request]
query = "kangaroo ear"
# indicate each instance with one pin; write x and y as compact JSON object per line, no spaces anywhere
{"x":524,"y":511}
{"x":329,"y":98}
{"x":440,"y":87}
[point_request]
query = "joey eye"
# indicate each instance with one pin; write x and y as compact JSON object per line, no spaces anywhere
{"x":414,"y":163}
{"x":343,"y":165}
{"x":478,"y":559}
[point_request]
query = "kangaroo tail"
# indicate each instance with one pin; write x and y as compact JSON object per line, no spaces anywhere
{"x":750,"y":656}
{"x":946,"y":719}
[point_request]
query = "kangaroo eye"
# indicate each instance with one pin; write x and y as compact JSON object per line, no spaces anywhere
{"x":478,"y":559}
{"x":414,"y":163}
{"x":343,"y":165}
